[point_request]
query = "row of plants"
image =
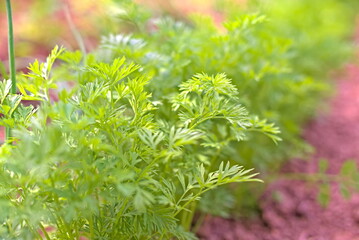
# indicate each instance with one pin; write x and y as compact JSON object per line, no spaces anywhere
{"x":279,"y":60}
{"x":157,"y":119}
{"x":275,"y":59}
{"x":98,"y":163}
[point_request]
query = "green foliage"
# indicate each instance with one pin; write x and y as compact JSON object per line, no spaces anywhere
{"x":100,"y":163}
{"x":256,"y":60}
{"x":277,"y":53}
{"x":317,"y":28}
{"x":13,"y":113}
{"x":129,"y":151}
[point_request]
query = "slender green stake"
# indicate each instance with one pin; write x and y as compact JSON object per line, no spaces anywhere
{"x":11,"y":55}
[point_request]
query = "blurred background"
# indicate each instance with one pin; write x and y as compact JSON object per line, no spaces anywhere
{"x":42,"y":24}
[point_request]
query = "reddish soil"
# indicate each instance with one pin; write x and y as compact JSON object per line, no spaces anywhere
{"x":297,"y":215}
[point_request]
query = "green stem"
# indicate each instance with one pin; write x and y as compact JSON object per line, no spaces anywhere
{"x":76,"y":33}
{"x":44,"y":231}
{"x":199,"y":222}
{"x":312,"y":177}
{"x":7,"y":133}
{"x":92,"y":228}
{"x":11,"y":55}
{"x":187,"y":217}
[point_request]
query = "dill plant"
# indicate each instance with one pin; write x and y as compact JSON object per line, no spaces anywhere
{"x":100,"y":163}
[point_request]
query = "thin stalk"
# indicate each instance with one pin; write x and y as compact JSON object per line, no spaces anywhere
{"x":44,"y":231}
{"x":92,"y":228}
{"x":199,"y":222}
{"x":188,"y":217}
{"x":11,"y":49}
{"x":75,"y":32}
{"x":7,"y":133}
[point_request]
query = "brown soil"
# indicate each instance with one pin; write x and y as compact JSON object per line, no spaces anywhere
{"x":295,"y":213}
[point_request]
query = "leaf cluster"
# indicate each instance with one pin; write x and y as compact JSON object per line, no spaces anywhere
{"x":99,"y":163}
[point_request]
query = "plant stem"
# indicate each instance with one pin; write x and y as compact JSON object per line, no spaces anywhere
{"x":44,"y":231}
{"x":189,"y":216}
{"x":11,"y":55}
{"x":91,"y":226}
{"x":7,"y":133}
{"x":76,"y":33}
{"x":199,"y":222}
